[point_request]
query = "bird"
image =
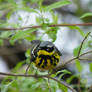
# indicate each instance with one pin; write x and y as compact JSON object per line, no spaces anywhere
{"x":44,"y":54}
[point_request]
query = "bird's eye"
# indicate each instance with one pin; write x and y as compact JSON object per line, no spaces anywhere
{"x":48,"y":49}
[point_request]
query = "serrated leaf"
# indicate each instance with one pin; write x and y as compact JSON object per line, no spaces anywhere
{"x":78,"y":65}
{"x":90,"y":67}
{"x":86,"y":15}
{"x":57,"y":5}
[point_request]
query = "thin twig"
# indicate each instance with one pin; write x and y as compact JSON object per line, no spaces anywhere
{"x":38,"y":76}
{"x":39,"y":26}
{"x":68,"y":62}
{"x":49,"y":83}
{"x":85,"y":59}
{"x":28,"y":68}
{"x":82,"y":43}
{"x":79,"y":89}
{"x":86,"y":53}
{"x":64,"y":83}
{"x":46,"y":76}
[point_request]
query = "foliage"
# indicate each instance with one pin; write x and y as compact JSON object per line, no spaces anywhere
{"x":29,"y":85}
{"x":86,"y":15}
{"x":24,"y":84}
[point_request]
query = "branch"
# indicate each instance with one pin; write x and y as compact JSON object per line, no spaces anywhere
{"x":38,"y":76}
{"x":40,"y":26}
{"x":59,"y":67}
{"x":48,"y":76}
{"x":82,"y":43}
{"x":68,"y":62}
{"x":62,"y":82}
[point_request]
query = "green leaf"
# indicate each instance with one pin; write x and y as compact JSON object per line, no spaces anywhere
{"x":71,"y":78}
{"x":90,"y":43}
{"x":62,"y":88}
{"x":4,"y":88}
{"x":78,"y":65}
{"x":12,"y":10}
{"x":75,"y":51}
{"x":21,"y":35}
{"x":86,"y":15}
{"x":90,"y":67}
{"x":5,"y":34}
{"x":52,"y":33}
{"x":28,"y":9}
{"x":66,"y":71}
{"x":18,"y":66}
{"x":78,"y":28}
{"x":27,"y":54}
{"x":1,"y":42}
{"x":57,"y":5}
{"x":62,"y":73}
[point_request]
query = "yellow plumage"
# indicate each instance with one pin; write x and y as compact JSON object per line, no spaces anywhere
{"x":49,"y":65}
{"x":45,"y":55}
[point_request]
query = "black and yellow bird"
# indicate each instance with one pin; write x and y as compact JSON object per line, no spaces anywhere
{"x":44,"y":55}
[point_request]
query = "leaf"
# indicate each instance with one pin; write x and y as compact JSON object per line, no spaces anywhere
{"x":78,"y":28}
{"x":90,"y":43}
{"x":62,"y":73}
{"x":5,"y":34}
{"x":4,"y":88}
{"x":52,"y":33}
{"x":21,"y":35}
{"x":78,"y":65}
{"x":62,"y":88}
{"x":75,"y":51}
{"x":18,"y":66}
{"x":90,"y":67}
{"x":27,"y":54}
{"x":53,"y":85}
{"x":86,"y":15}
{"x":28,"y":9}
{"x":1,"y":42}
{"x":69,"y":80}
{"x":57,"y":5}
{"x":66,"y":71}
